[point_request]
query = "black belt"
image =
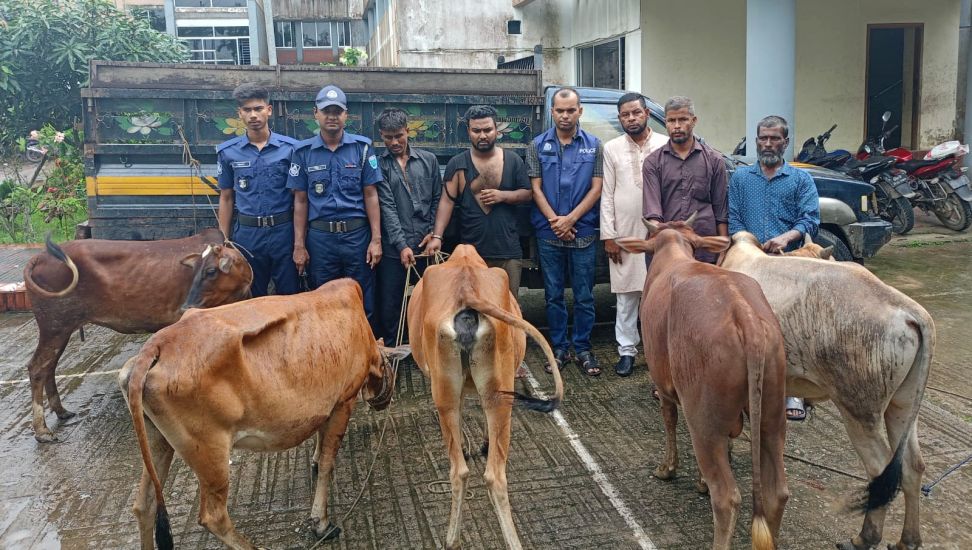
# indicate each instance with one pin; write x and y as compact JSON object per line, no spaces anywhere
{"x":265,"y":221}
{"x":341,"y":226}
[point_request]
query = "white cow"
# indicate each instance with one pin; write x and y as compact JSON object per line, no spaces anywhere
{"x":867,"y":347}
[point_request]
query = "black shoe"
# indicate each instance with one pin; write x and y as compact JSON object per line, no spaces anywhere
{"x":561,"y":356}
{"x":624,"y":366}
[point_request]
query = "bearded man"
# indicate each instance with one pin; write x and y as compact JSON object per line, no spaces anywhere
{"x":775,"y":202}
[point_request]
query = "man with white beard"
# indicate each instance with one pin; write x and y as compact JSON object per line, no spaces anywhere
{"x":621,"y":196}
{"x":775,"y":202}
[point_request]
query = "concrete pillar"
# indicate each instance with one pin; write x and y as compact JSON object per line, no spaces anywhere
{"x":170,"y":22}
{"x":770,"y":66}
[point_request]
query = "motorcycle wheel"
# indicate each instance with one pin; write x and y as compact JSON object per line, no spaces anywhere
{"x":33,"y":156}
{"x":954,"y":213}
{"x":898,"y":212}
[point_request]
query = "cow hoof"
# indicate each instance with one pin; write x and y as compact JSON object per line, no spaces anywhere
{"x":701,"y":487}
{"x":903,"y":546}
{"x":849,"y":545}
{"x":665,"y":472}
{"x":64,"y":414}
{"x":45,"y":437}
{"x":329,"y":532}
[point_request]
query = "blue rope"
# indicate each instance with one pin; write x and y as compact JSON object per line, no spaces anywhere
{"x":926,"y":489}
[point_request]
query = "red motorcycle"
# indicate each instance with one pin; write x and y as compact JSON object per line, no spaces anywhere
{"x":940,"y":184}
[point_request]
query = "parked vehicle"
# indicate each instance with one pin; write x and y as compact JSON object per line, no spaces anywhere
{"x":143,"y":119}
{"x":33,"y":151}
{"x":815,"y":152}
{"x":941,"y":184}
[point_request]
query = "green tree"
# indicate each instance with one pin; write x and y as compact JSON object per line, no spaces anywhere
{"x":45,"y":47}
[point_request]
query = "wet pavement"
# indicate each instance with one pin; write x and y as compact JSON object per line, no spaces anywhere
{"x":578,"y":480}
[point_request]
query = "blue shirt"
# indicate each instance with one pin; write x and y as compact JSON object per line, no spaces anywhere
{"x":566,"y":173}
{"x":257,"y":177}
{"x":334,"y":180}
{"x":768,"y":208}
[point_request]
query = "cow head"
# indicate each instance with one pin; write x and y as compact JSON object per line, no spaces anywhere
{"x":679,"y":233}
{"x":221,"y":275}
{"x":811,"y":249}
{"x":380,"y":386}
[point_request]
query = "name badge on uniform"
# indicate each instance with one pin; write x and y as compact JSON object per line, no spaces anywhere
{"x":240,"y":164}
{"x":350,"y":165}
{"x":319,"y":188}
{"x":243,"y":183}
{"x":317,"y":168}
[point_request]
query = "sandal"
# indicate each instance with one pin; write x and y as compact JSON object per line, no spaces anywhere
{"x":588,"y":363}
{"x":795,"y":411}
{"x":561,"y":356}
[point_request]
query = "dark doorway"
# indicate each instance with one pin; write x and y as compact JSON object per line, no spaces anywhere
{"x":893,"y":76}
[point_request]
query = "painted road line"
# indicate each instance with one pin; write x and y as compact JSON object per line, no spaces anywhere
{"x":60,"y":377}
{"x":597,"y":474}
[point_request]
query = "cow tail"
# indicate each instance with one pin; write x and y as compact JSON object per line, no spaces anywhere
{"x":58,"y":253}
{"x":528,"y":401}
{"x":136,"y":386}
{"x":755,"y":370}
{"x":883,"y":488}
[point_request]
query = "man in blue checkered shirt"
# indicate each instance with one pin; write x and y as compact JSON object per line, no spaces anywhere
{"x":775,"y":202}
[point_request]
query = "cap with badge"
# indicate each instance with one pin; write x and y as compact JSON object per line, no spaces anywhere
{"x":331,"y":95}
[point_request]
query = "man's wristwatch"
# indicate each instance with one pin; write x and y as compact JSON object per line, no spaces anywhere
{"x":434,"y":236}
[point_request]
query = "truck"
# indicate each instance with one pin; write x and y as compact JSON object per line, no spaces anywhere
{"x":151,"y":131}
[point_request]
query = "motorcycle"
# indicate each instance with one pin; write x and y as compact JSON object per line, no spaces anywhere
{"x":33,"y":151}
{"x":894,"y":189}
{"x":941,"y":186}
{"x":815,"y":152}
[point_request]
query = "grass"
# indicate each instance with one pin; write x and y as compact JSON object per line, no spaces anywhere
{"x":59,"y":232}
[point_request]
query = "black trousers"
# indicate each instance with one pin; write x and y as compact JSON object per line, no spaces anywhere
{"x":391,"y":288}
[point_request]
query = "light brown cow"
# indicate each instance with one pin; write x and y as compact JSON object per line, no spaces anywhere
{"x":809,"y":249}
{"x":467,"y":334}
{"x":127,"y":286}
{"x":857,"y":341}
{"x":264,"y":375}
{"x":715,"y":347}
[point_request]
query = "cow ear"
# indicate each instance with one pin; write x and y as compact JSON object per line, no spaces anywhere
{"x":191,"y":260}
{"x":636,"y":245}
{"x":714,"y":244}
{"x":827,"y":253}
{"x":225,"y":264}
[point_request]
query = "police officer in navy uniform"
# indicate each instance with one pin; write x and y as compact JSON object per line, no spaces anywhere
{"x":252,"y":173}
{"x":333,"y":176}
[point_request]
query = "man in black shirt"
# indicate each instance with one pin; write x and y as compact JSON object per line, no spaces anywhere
{"x":409,"y":196}
{"x":487,"y":182}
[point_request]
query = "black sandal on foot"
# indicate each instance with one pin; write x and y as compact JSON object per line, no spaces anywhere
{"x":588,"y":363}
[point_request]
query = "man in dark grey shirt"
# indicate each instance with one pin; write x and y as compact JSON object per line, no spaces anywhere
{"x":409,"y":197}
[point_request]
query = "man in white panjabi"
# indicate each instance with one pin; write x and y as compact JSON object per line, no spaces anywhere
{"x":621,"y":212}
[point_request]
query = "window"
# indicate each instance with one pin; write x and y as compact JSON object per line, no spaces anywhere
{"x":314,"y":34}
{"x":217,"y":45}
{"x":513,"y":26}
{"x":154,"y":15}
{"x":602,"y":65}
{"x":284,"y":34}
{"x":210,"y":3}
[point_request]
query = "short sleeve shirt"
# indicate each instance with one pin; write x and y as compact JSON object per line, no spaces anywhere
{"x":334,"y":180}
{"x":258,"y":177}
{"x":495,"y":234}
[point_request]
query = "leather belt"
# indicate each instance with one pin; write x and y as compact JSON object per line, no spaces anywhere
{"x":339,"y":226}
{"x":265,"y":221}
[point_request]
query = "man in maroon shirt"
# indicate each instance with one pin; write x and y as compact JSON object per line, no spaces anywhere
{"x":686,"y":176}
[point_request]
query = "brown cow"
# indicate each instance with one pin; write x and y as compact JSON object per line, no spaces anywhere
{"x":467,"y":334}
{"x":263,"y":375}
{"x":127,"y":286}
{"x":809,"y":249}
{"x":852,"y":339}
{"x":715,"y":347}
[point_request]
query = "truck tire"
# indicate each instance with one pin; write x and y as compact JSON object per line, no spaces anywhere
{"x":841,"y":252}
